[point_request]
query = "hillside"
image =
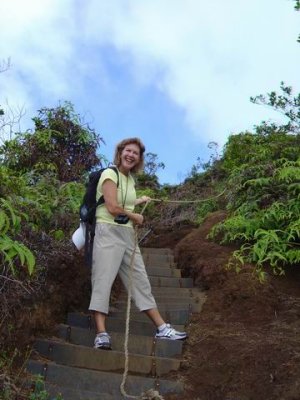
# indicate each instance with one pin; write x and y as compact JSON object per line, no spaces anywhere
{"x":245,"y":344}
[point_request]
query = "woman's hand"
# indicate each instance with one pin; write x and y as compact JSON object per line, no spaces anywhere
{"x":143,"y":199}
{"x":137,"y":219}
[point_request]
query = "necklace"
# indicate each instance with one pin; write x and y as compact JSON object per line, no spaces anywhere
{"x":122,"y":194}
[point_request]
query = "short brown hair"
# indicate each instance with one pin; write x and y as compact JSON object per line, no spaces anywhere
{"x":121,"y":146}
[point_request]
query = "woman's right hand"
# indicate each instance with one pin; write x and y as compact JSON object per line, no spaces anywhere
{"x":137,"y":219}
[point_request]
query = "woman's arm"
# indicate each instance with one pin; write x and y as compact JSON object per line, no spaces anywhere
{"x":141,"y":200}
{"x":109,"y":190}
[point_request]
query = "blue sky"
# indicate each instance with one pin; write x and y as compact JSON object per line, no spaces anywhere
{"x":176,"y":73}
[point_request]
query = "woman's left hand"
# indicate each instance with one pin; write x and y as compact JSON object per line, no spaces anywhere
{"x":143,"y":199}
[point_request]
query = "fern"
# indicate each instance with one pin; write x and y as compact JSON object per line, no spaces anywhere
{"x":235,"y":229}
{"x":293,"y":256}
{"x":70,"y":196}
{"x":293,"y":231}
{"x":294,"y":189}
{"x":4,"y":222}
{"x":205,"y":208}
{"x":263,"y":202}
{"x":13,"y":253}
{"x":258,"y":182}
{"x":289,"y":174}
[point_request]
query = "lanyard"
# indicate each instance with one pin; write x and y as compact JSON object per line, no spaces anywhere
{"x":122,"y":194}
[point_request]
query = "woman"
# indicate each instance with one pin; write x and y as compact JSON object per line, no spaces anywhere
{"x":114,"y":243}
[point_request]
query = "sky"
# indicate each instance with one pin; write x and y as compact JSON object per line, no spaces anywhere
{"x":179,"y":74}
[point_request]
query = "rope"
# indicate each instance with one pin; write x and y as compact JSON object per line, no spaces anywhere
{"x":189,"y":201}
{"x":150,"y":394}
{"x":125,"y":373}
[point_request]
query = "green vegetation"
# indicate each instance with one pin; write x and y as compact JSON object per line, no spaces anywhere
{"x":11,"y":381}
{"x":256,"y":180}
{"x":259,"y":172}
{"x":61,"y":143}
{"x":42,"y":172}
{"x":42,"y":184}
{"x":263,"y":190}
{"x":40,"y":393}
{"x":10,"y":250}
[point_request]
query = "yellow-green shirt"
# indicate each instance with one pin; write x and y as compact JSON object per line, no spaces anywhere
{"x":126,"y":195}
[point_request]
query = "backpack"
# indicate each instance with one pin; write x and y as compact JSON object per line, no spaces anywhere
{"x":88,"y":208}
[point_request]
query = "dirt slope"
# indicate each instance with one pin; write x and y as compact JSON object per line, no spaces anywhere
{"x":245,"y":345}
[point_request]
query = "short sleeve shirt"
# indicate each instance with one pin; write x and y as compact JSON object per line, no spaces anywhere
{"x":126,"y":195}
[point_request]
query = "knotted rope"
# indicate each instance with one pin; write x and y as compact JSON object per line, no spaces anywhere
{"x":188,"y":201}
{"x":149,"y":394}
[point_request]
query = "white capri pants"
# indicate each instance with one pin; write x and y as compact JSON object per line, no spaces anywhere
{"x":112,"y":251}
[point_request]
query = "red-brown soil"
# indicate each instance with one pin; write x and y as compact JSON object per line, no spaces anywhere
{"x":245,"y":344}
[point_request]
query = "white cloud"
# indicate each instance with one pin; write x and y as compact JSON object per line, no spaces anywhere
{"x":207,"y":57}
{"x":39,"y":39}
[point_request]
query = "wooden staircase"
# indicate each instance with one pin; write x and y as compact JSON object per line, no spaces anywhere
{"x":71,"y":366}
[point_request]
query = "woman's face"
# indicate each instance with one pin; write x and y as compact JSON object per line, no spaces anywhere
{"x":130,"y":157}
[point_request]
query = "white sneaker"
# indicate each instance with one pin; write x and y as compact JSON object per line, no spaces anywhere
{"x":170,"y":333}
{"x":102,"y":341}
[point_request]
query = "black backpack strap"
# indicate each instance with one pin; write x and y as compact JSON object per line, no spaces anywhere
{"x":101,"y":198}
{"x":88,"y":249}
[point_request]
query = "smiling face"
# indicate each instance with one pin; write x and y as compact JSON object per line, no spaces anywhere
{"x":130,"y":157}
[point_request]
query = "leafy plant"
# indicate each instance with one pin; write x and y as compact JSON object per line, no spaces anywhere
{"x":203,"y":209}
{"x":285,"y":103}
{"x":13,"y":253}
{"x":265,"y":218}
{"x":39,"y":391}
{"x":263,"y":190}
{"x":60,"y":143}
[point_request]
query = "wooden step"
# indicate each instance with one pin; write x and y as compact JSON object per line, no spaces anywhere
{"x":103,"y":360}
{"x":159,"y":281}
{"x":154,"y":250}
{"x":157,"y":271}
{"x":72,"y":367}
{"x":171,"y":303}
{"x":79,"y":379}
{"x":68,"y":393}
{"x":115,"y":324}
{"x":137,"y":344}
{"x":174,"y":317}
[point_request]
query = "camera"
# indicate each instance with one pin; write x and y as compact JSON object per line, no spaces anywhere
{"x":121,"y":219}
